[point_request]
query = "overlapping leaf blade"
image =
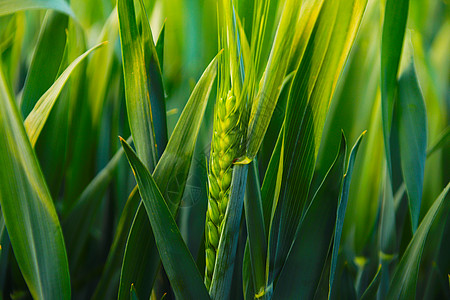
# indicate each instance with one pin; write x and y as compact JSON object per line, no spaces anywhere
{"x":313,"y":237}
{"x":141,"y":259}
{"x":311,"y":92}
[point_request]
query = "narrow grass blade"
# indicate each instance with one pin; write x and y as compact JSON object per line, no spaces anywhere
{"x":47,"y":56}
{"x":342,"y":206}
{"x":257,"y":241}
{"x":38,"y":116}
{"x":412,"y":139}
{"x":179,"y":265}
{"x":136,"y":90}
{"x":226,"y":253}
{"x":404,"y":281}
{"x":27,"y":207}
{"x":11,"y":6}
{"x":313,"y":237}
{"x":141,"y":261}
{"x":394,"y":25}
{"x":440,"y":142}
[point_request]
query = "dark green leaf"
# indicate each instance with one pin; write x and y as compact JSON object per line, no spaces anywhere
{"x":313,"y":237}
{"x":179,"y":265}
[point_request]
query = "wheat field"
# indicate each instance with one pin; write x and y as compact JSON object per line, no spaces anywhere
{"x":224,"y":149}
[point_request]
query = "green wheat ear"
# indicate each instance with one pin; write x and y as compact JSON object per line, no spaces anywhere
{"x":224,"y":149}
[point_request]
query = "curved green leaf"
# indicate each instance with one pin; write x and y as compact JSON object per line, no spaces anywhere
{"x":404,"y":281}
{"x":371,"y":292}
{"x":27,"y":207}
{"x":179,"y":265}
{"x":38,"y":116}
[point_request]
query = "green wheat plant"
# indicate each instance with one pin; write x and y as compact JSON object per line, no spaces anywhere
{"x":224,"y":149}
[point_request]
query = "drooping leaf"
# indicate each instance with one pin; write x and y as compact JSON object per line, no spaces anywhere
{"x":38,"y":116}
{"x":404,"y":281}
{"x":313,"y":237}
{"x":180,"y":267}
{"x":412,"y":139}
{"x":28,"y":209}
{"x":141,"y":259}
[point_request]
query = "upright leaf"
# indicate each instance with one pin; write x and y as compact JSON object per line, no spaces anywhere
{"x":27,"y":207}
{"x":136,"y":91}
{"x":394,"y":25}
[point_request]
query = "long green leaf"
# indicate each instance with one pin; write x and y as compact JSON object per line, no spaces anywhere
{"x":403,"y":284}
{"x":313,"y":237}
{"x":179,"y":265}
{"x":371,"y":292}
{"x":11,"y":6}
{"x":141,"y":260}
{"x":395,"y":17}
{"x":311,"y":92}
{"x":412,"y":139}
{"x":27,"y":207}
{"x":35,"y":121}
{"x":136,"y":90}
{"x":342,"y":206}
